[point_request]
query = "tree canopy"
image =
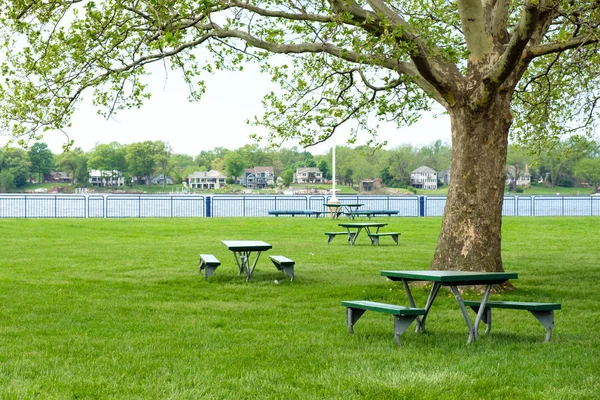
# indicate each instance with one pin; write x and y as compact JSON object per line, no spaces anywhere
{"x":351,"y":60}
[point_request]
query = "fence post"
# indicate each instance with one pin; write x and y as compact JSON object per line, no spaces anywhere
{"x":421,"y":206}
{"x":208,"y":210}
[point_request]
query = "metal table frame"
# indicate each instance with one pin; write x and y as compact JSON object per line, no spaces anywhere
{"x":341,"y":206}
{"x":359,"y":226}
{"x":242,"y":249}
{"x":452,"y":279}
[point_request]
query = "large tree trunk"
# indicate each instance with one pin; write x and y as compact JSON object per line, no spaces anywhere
{"x":471,"y":230}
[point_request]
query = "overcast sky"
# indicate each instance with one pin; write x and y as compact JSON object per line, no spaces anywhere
{"x":218,"y":120}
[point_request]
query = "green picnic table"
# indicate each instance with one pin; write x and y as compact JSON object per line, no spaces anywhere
{"x":452,"y":279}
{"x":242,"y":249}
{"x":354,"y":228}
{"x":342,"y":208}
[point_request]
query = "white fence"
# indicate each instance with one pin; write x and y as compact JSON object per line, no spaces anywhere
{"x":141,"y":206}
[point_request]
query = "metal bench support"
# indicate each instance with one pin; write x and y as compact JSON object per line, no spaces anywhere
{"x":208,"y":267}
{"x":284,"y":264}
{"x":545,"y":317}
{"x":403,"y":316}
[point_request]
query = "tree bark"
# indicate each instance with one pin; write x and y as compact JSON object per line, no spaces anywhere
{"x":471,"y":229}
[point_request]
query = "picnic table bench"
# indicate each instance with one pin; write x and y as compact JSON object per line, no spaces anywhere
{"x":403,"y":316}
{"x":544,"y":312}
{"x":293,"y":213}
{"x":371,"y":213}
{"x":209,"y":264}
{"x":332,"y":235}
{"x":375,"y":237}
{"x":284,"y":264}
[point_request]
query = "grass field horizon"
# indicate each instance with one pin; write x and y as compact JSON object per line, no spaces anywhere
{"x":116,"y":308}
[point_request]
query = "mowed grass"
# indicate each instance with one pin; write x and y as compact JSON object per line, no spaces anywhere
{"x":116,"y":309}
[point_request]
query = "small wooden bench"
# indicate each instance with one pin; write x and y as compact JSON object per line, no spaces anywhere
{"x":285,"y":264}
{"x":332,"y":235}
{"x":375,"y":237}
{"x":403,"y":316}
{"x":371,"y":213}
{"x":544,"y":312}
{"x":293,"y":213}
{"x":208,"y":263}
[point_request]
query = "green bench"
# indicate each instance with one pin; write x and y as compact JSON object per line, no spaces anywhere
{"x":293,"y":213}
{"x":285,"y":264}
{"x":375,"y":237}
{"x":332,"y":235}
{"x":544,"y":312}
{"x":371,"y":213}
{"x":403,"y":316}
{"x":208,"y":263}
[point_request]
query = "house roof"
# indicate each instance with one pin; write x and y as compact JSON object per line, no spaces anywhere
{"x":210,"y":174}
{"x":307,"y":169}
{"x":425,"y":170}
{"x":258,"y":170}
{"x":263,"y":169}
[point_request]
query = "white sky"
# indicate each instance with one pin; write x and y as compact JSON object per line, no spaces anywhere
{"x":218,"y":120}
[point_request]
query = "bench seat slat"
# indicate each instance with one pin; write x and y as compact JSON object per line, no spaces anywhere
{"x":209,"y":259}
{"x":285,"y":264}
{"x":516,"y":305}
{"x":382,"y":307}
{"x":282,"y":260}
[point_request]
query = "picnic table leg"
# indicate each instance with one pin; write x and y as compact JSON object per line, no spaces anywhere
{"x":481,"y":311}
{"x":240,"y":261}
{"x":461,"y":305}
{"x":249,"y":271}
{"x":352,"y":236}
{"x":411,"y":301}
{"x":435,"y":288}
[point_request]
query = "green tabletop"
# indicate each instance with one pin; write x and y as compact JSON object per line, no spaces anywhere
{"x":452,"y":277}
{"x":362,"y":224}
{"x":337,"y":205}
{"x":246,"y":245}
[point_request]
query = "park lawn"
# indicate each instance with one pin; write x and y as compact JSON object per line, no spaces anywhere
{"x":340,"y":189}
{"x":540,"y":190}
{"x":116,"y":309}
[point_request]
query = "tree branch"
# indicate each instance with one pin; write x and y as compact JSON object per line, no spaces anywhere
{"x":511,"y":57}
{"x":497,"y":17}
{"x":303,"y":16}
{"x":557,"y":47}
{"x":474,"y":29}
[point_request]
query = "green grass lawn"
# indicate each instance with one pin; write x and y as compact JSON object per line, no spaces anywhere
{"x":340,"y":189}
{"x":116,"y":309}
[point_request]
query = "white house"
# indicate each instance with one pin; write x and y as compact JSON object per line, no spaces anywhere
{"x":206,"y":180}
{"x":424,"y":178}
{"x":308,"y":175}
{"x":524,"y":178}
{"x":106,"y":178}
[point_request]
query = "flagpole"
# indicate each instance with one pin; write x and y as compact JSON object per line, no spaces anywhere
{"x":333,"y":198}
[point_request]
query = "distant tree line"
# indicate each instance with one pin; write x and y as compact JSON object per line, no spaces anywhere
{"x":569,"y":163}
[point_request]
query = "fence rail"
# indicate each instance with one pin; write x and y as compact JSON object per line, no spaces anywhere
{"x":172,"y":206}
